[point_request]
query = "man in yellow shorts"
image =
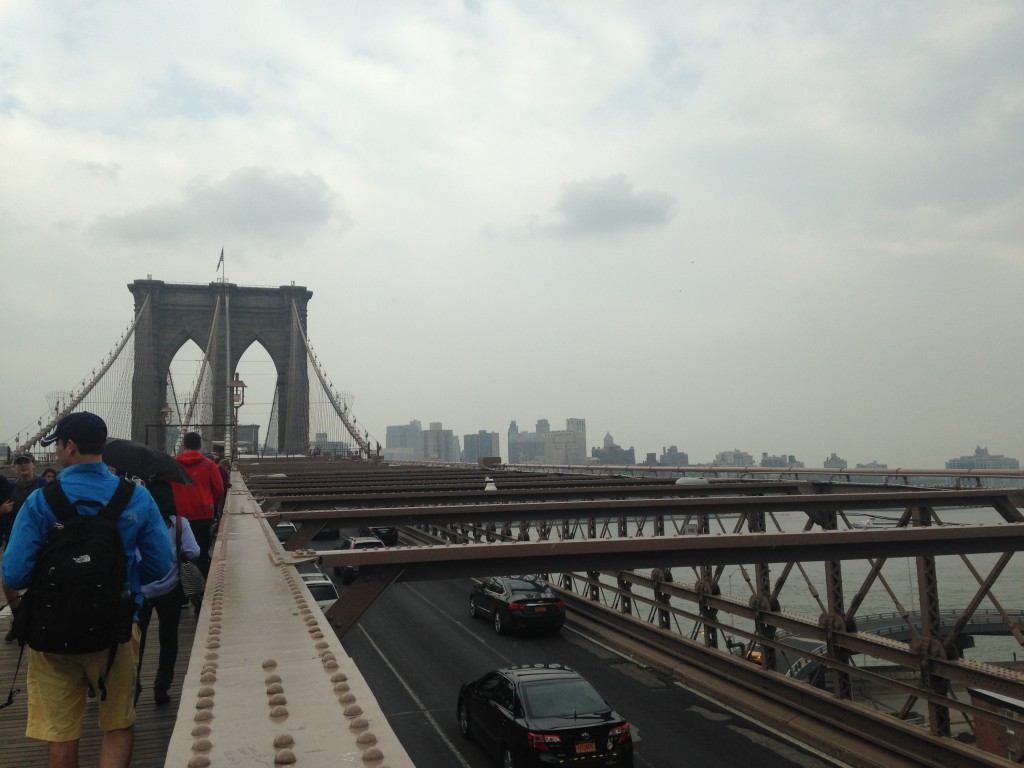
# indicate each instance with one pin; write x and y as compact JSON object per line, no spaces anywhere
{"x":58,"y":681}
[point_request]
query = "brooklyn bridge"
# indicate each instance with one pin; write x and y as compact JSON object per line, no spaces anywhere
{"x":730,"y":616}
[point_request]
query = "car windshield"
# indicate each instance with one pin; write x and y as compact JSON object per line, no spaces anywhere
{"x":367,"y":544}
{"x":562,"y":698}
{"x":524,"y":587}
{"x":323,"y":592}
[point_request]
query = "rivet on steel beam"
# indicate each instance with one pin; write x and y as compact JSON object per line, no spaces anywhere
{"x":275,"y":678}
{"x":283,"y":740}
{"x":328,"y":657}
{"x":321,"y":644}
{"x":318,"y":634}
{"x":284,"y":757}
{"x":208,"y":677}
{"x":206,"y":690}
{"x":269,"y":664}
{"x":373,"y":753}
{"x":203,"y":715}
{"x":366,"y":738}
{"x":279,"y":711}
{"x":339,"y":677}
{"x":353,"y":710}
{"x":359,"y":723}
{"x":347,"y":698}
{"x":341,"y":687}
{"x":199,"y":761}
{"x":201,"y":731}
{"x":204,"y":703}
{"x":330,"y":665}
{"x":275,"y":688}
{"x":202,"y":745}
{"x":278,"y":699}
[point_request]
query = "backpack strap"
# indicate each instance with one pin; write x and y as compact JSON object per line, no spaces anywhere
{"x":63,"y":508}
{"x":58,"y":501}
{"x":119,"y":501}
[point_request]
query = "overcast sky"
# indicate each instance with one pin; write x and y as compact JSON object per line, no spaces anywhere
{"x":782,"y":227}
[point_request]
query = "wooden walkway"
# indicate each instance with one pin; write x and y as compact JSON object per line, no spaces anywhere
{"x":153,"y":725}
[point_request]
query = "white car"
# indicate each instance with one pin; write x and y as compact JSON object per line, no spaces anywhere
{"x":322,"y":589}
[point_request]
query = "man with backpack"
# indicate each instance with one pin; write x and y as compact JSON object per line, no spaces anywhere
{"x":69,"y":547}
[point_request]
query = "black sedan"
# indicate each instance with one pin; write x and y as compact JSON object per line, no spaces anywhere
{"x":513,"y":602}
{"x":543,"y":715}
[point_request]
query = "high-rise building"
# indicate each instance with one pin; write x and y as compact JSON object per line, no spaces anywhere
{"x":785,"y":460}
{"x":402,"y":442}
{"x":673,"y":457}
{"x":613,"y":453}
{"x":834,"y":462}
{"x":733,"y":458}
{"x":479,"y":446}
{"x":439,"y":444}
{"x":548,"y":446}
{"x":524,"y":447}
{"x":982,"y":459}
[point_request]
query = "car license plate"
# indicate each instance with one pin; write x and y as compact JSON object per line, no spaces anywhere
{"x":540,"y":608}
{"x":583,"y":747}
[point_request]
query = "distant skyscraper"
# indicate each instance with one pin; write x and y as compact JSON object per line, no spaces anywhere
{"x":734,"y":458}
{"x":982,"y":459}
{"x":785,"y":460}
{"x":402,"y":442}
{"x":834,"y":462}
{"x":612,"y":453}
{"x":547,"y":446}
{"x":439,"y":444}
{"x":480,"y":445}
{"x":673,"y":457}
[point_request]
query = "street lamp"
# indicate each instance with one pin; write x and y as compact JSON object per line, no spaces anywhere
{"x":237,"y":387}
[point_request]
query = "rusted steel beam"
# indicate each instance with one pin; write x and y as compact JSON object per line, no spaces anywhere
{"x":425,"y":563}
{"x":311,"y":498}
{"x":441,"y":514}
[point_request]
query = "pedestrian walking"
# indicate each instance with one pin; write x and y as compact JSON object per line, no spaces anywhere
{"x":197,"y":503}
{"x":165,"y":596}
{"x":111,"y":521}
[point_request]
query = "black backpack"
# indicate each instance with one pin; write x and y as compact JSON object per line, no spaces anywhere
{"x":80,"y":600}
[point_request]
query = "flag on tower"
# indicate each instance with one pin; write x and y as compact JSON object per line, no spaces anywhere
{"x":220,"y":260}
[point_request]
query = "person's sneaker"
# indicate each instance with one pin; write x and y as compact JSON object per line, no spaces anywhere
{"x":9,"y":637}
{"x":161,"y":697}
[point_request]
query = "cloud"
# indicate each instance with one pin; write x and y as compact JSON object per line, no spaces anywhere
{"x":599,"y":207}
{"x":250,"y":203}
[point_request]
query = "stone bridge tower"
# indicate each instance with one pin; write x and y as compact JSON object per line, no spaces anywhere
{"x":178,"y":312}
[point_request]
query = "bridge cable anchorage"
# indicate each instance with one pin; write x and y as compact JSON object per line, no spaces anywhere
{"x":86,"y":388}
{"x":364,"y":446}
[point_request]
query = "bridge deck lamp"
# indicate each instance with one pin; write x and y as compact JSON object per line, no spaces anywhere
{"x":237,"y":387}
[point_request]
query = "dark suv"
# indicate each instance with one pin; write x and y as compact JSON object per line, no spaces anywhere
{"x":543,"y":715}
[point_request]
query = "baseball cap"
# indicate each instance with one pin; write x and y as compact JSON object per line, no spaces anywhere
{"x":82,"y":427}
{"x":23,"y":456}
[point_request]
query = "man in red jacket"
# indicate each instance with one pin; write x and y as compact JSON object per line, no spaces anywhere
{"x":196,"y":503}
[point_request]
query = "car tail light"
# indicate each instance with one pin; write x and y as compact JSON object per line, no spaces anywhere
{"x":620,"y":732}
{"x":560,"y":604}
{"x":543,"y":741}
{"x":516,"y":606}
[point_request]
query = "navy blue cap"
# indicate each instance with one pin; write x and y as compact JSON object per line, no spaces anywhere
{"x":83,"y":427}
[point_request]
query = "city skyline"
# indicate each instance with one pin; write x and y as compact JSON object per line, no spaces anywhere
{"x":756,"y":457}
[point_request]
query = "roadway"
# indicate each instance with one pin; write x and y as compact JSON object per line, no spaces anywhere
{"x":417,"y":645}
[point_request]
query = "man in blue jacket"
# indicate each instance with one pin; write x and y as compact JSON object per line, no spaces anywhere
{"x":57,"y":683}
